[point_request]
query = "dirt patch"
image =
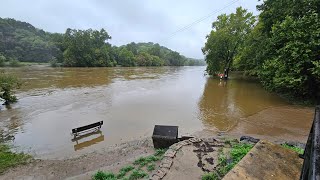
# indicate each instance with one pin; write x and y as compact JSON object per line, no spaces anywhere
{"x":86,"y":164}
{"x":205,"y":151}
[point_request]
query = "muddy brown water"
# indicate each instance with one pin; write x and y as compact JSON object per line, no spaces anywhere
{"x":131,"y":101}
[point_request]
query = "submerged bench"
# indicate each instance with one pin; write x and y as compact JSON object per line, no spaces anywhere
{"x":96,"y":125}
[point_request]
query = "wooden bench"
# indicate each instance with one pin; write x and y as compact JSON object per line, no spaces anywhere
{"x":96,"y":125}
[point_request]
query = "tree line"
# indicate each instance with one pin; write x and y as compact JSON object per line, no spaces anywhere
{"x":20,"y":41}
{"x":281,"y":46}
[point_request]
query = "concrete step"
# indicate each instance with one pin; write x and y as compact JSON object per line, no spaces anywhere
{"x":267,"y":161}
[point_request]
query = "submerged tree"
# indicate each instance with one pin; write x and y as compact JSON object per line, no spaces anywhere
{"x":229,"y":32}
{"x":7,"y":84}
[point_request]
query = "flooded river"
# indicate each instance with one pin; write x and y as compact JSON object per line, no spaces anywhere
{"x":131,"y":101}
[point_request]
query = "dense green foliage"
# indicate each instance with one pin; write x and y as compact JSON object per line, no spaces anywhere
{"x":7,"y":84}
{"x":282,"y":49}
{"x":20,"y":41}
{"x":9,"y":159}
{"x":87,"y":48}
{"x":228,"y":34}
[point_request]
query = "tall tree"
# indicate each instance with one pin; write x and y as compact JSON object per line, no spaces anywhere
{"x":292,"y":66}
{"x":228,"y":33}
{"x":126,"y":58}
{"x":84,"y":47}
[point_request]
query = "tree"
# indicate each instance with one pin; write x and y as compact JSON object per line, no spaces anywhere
{"x":174,"y":59}
{"x":294,"y":66}
{"x":132,"y":47}
{"x":251,"y":55}
{"x":21,"y":41}
{"x":126,"y":58}
{"x":77,"y":48}
{"x":85,"y":48}
{"x":143,"y":59}
{"x":7,"y":84}
{"x":283,"y":48}
{"x":228,"y":33}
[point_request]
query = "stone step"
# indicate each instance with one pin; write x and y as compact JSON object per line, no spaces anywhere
{"x":267,"y":161}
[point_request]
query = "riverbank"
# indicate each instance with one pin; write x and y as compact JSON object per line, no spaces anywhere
{"x":61,"y":169}
{"x":124,"y":155}
{"x":9,"y":159}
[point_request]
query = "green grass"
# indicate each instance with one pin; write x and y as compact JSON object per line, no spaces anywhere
{"x":100,"y":175}
{"x":294,"y":148}
{"x":9,"y":159}
{"x":210,"y":176}
{"x":143,"y":161}
{"x":238,"y":151}
{"x":137,"y":173}
{"x":160,"y":152}
{"x":123,"y":171}
{"x":151,"y":167}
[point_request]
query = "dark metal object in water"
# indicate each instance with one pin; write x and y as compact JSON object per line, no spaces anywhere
{"x":95,"y":126}
{"x":311,"y":164}
{"x":164,"y":136}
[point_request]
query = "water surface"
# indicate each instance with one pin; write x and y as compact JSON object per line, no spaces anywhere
{"x":131,"y":101}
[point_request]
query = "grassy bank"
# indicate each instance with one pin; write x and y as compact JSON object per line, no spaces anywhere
{"x":227,"y":160}
{"x":9,"y":159}
{"x":137,"y":170}
{"x":21,"y":64}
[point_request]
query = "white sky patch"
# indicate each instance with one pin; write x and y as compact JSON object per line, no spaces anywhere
{"x":127,"y":20}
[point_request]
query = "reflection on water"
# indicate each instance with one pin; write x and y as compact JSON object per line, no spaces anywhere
{"x":82,"y":142}
{"x":131,"y":101}
{"x":224,"y":103}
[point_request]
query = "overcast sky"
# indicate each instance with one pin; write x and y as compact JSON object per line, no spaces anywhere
{"x":129,"y":20}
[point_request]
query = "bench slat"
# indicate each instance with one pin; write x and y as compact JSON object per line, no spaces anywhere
{"x":90,"y":126}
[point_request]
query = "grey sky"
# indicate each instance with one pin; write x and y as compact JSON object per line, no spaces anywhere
{"x":128,"y":20}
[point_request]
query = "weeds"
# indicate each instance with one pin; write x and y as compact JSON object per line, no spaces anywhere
{"x":137,"y":173}
{"x":210,"y":176}
{"x":160,"y":152}
{"x":143,"y":161}
{"x":9,"y":159}
{"x":294,"y":148}
{"x":238,"y":151}
{"x":123,"y":171}
{"x":100,"y":175}
{"x":151,"y":167}
{"x":225,"y":164}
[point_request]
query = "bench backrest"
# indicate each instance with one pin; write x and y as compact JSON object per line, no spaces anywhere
{"x":83,"y":128}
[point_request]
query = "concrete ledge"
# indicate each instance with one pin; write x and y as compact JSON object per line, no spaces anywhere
{"x":267,"y":161}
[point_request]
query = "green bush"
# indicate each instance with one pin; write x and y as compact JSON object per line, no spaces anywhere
{"x":14,"y":63}
{"x":7,"y":84}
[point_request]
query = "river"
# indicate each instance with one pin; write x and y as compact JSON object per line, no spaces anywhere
{"x":131,"y":101}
